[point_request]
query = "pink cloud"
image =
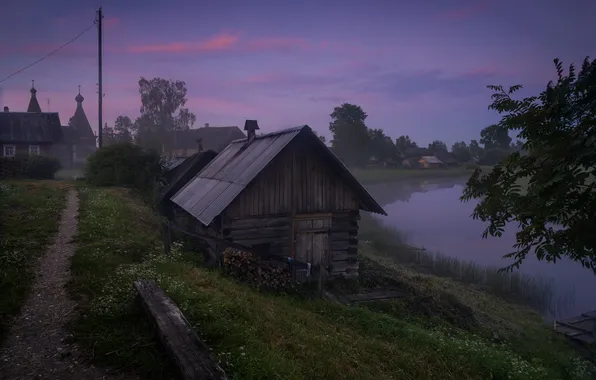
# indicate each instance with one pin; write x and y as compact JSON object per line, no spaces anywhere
{"x":229,"y":41}
{"x":261,"y":78}
{"x":274,"y":43}
{"x":111,"y":21}
{"x":219,"y":42}
{"x":473,"y":9}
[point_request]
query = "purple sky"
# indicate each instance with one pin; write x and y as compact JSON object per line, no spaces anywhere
{"x":419,"y":70}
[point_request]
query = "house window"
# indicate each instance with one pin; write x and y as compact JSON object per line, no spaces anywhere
{"x":34,"y":150}
{"x":9,"y":150}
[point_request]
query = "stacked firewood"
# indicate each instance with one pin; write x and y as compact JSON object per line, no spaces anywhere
{"x":245,"y":267}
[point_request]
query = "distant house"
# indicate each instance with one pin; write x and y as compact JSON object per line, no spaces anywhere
{"x":284,"y":193}
{"x":188,"y":142}
{"x":76,"y":141}
{"x":411,"y":163}
{"x":29,"y":133}
{"x":448,"y":159}
{"x":430,"y":162}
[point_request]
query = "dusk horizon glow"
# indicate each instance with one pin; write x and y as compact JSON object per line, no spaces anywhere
{"x":417,"y":70}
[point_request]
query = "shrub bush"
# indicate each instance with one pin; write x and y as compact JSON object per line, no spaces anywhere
{"x":125,"y":165}
{"x":33,"y":167}
{"x":39,"y":167}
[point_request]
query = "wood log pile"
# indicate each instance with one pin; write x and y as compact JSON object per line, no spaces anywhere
{"x":266,"y":275}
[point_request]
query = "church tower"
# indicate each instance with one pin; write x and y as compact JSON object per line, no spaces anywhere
{"x":33,"y":103}
{"x":79,"y":121}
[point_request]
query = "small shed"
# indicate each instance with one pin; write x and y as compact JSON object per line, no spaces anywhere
{"x":180,"y":171}
{"x":448,"y":159}
{"x":430,"y":162}
{"x":284,"y":193}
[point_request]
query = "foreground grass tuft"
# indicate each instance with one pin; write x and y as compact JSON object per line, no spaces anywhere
{"x":29,"y":218}
{"x":255,"y":335}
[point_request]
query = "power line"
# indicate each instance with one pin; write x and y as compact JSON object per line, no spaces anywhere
{"x":51,"y":53}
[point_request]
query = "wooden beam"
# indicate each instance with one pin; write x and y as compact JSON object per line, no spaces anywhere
{"x":181,"y":342}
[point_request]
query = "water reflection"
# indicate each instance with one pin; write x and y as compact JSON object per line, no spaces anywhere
{"x":430,"y":215}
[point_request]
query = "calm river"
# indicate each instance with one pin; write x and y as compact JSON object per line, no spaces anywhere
{"x":430,"y":215}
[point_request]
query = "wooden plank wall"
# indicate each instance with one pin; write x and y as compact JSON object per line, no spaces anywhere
{"x":344,"y":244}
{"x":297,"y":181}
{"x":275,"y":230}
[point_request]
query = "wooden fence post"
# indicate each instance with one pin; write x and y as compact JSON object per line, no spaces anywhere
{"x":167,"y":238}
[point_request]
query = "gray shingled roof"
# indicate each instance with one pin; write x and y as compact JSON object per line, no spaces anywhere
{"x":30,"y":127}
{"x":212,"y":138}
{"x":431,"y":159}
{"x":209,"y":193}
{"x":173,"y":163}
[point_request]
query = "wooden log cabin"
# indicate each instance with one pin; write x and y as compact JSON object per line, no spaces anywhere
{"x":284,"y":193}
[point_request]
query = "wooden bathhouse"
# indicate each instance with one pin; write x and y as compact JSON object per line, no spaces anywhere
{"x":284,"y":193}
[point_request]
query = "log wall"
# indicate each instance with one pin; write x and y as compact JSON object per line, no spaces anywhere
{"x":296,"y":181}
{"x":275,"y":230}
{"x":344,"y":245}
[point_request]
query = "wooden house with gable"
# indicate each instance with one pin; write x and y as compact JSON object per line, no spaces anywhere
{"x":30,"y":133}
{"x":284,"y":193}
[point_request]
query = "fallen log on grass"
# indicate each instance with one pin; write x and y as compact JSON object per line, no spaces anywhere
{"x":185,"y":348}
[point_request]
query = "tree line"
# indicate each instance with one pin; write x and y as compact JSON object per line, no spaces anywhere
{"x":163,"y":110}
{"x":357,"y":144}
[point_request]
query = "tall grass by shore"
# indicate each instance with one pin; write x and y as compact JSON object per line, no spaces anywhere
{"x":536,"y":292}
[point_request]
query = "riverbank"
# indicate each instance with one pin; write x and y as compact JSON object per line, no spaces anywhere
{"x":537,"y":293}
{"x":379,"y":175}
{"x":257,"y":335}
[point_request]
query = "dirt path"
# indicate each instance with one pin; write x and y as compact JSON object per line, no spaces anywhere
{"x":38,"y":345}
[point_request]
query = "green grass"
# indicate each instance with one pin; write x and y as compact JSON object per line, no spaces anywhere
{"x":68,"y":174}
{"x":379,"y":175}
{"x":256,"y":335}
{"x":386,"y":241}
{"x":29,"y":217}
{"x":370,"y":176}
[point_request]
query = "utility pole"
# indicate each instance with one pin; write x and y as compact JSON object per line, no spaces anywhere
{"x":99,"y":84}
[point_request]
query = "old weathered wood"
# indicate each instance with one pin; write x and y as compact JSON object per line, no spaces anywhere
{"x":343,"y":266}
{"x":338,"y":256}
{"x":373,"y":296}
{"x":343,"y":245}
{"x":264,"y":231}
{"x":581,"y":329}
{"x":182,"y":344}
{"x":256,"y":222}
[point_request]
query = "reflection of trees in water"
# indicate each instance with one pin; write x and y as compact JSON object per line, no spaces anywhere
{"x":402,"y":191}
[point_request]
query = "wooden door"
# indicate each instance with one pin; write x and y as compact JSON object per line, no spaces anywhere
{"x":311,"y":244}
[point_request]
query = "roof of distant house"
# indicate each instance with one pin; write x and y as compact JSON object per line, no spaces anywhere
{"x":224,"y":178}
{"x":431,"y":159}
{"x":212,"y":138}
{"x":30,"y":127}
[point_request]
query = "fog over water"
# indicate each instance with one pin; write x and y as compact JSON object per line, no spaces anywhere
{"x":430,"y":215}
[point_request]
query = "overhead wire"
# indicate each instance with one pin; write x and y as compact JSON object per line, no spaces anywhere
{"x":51,"y":53}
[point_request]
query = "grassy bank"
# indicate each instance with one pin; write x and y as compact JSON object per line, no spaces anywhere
{"x":255,"y":335}
{"x":29,"y":217}
{"x":536,"y":292}
{"x":372,"y":176}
